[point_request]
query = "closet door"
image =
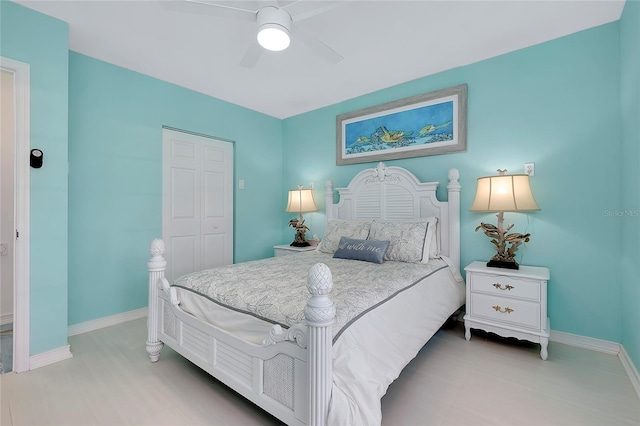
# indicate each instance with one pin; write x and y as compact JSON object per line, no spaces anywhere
{"x":197,"y":202}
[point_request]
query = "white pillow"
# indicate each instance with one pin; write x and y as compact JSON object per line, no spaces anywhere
{"x":408,"y":239}
{"x":338,"y":228}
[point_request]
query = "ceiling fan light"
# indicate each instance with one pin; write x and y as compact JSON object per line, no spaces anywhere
{"x":273,"y":37}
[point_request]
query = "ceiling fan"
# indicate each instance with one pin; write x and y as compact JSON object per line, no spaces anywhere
{"x":275,"y":21}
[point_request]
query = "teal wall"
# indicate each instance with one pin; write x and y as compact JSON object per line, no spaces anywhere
{"x":569,"y":105}
{"x":630,"y":225}
{"x":46,"y":50}
{"x":556,"y":104}
{"x":115,"y":179}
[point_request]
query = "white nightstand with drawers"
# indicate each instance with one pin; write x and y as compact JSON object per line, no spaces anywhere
{"x":508,"y":302}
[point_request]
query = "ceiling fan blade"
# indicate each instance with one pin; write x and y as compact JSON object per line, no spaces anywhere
{"x":252,"y":55}
{"x":318,"y":47}
{"x":213,"y":9}
{"x":302,"y":9}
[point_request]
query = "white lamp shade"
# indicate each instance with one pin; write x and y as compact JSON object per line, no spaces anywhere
{"x":504,"y":193}
{"x":301,"y":201}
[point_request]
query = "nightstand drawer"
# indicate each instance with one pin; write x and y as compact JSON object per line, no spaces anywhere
{"x":506,"y":286}
{"x":507,"y":311}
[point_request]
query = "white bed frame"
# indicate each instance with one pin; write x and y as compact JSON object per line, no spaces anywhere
{"x":291,"y":377}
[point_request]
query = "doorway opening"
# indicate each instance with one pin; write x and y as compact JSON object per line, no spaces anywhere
{"x":14,"y":236}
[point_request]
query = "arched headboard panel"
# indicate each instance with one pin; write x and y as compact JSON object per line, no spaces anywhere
{"x":394,"y":193}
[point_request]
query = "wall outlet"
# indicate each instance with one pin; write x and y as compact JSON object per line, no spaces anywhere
{"x":530,"y":169}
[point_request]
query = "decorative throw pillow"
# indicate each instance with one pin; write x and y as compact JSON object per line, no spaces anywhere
{"x":338,"y":228}
{"x":367,"y":250}
{"x":407,"y":239}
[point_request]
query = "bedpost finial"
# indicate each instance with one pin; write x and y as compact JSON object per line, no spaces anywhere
{"x":319,"y":281}
{"x":454,"y":175}
{"x":328,"y":185}
{"x":320,"y":310}
{"x":157,"y":262}
{"x":157,"y":247}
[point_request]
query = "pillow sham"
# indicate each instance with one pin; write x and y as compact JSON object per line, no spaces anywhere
{"x":368,"y":250}
{"x":408,"y":239}
{"x":338,"y":228}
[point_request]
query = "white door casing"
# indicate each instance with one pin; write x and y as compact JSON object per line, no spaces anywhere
{"x":197,"y":202}
{"x":7,"y":187}
{"x":22,"y":190}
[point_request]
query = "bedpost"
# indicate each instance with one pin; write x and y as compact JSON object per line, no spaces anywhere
{"x":156,"y":265}
{"x":454,"y":216}
{"x":319,"y":314}
{"x":328,"y":200}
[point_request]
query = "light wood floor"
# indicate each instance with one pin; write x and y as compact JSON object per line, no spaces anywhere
{"x":487,"y":381}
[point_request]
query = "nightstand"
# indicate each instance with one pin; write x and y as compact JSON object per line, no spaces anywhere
{"x":508,"y":302}
{"x":286,"y":249}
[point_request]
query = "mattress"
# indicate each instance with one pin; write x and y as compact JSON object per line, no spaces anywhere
{"x":384,"y":314}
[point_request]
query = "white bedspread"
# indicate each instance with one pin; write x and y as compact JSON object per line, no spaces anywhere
{"x":371,"y":346}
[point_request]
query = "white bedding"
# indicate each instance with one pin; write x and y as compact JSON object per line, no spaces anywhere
{"x":371,"y":346}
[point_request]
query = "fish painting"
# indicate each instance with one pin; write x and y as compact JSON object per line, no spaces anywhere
{"x":427,"y":124}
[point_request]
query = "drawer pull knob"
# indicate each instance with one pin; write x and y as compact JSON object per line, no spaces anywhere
{"x":500,"y":287}
{"x":504,"y":311}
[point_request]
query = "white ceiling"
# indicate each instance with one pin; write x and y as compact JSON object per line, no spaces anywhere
{"x":383,"y":43}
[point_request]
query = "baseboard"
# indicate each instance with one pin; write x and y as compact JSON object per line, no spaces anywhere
{"x":49,"y":357}
{"x":590,"y":343}
{"x":604,"y":346}
{"x":631,"y":370}
{"x":598,"y":345}
{"x":85,"y":327}
{"x":55,"y":355}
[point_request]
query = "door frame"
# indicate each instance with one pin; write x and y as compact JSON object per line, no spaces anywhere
{"x":22,"y":190}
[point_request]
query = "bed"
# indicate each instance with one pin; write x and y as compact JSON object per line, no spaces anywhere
{"x":297,"y":335}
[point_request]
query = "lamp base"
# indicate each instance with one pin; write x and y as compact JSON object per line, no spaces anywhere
{"x":502,"y":264}
{"x":300,"y":244}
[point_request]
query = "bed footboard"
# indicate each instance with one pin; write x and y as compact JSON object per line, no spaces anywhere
{"x":290,"y":376}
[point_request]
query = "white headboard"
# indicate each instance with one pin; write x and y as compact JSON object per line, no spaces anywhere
{"x":394,"y":193}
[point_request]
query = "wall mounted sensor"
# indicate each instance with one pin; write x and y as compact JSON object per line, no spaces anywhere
{"x":36,"y":158}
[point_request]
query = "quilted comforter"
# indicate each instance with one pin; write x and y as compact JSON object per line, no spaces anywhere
{"x":274,"y":289}
{"x":384,"y":314}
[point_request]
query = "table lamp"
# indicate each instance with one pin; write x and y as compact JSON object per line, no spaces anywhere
{"x":300,"y":201}
{"x":504,"y":193}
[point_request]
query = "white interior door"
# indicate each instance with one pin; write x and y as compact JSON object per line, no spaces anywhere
{"x":7,"y":184}
{"x":197,"y":202}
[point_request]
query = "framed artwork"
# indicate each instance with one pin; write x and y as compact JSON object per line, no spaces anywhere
{"x":428,"y":124}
